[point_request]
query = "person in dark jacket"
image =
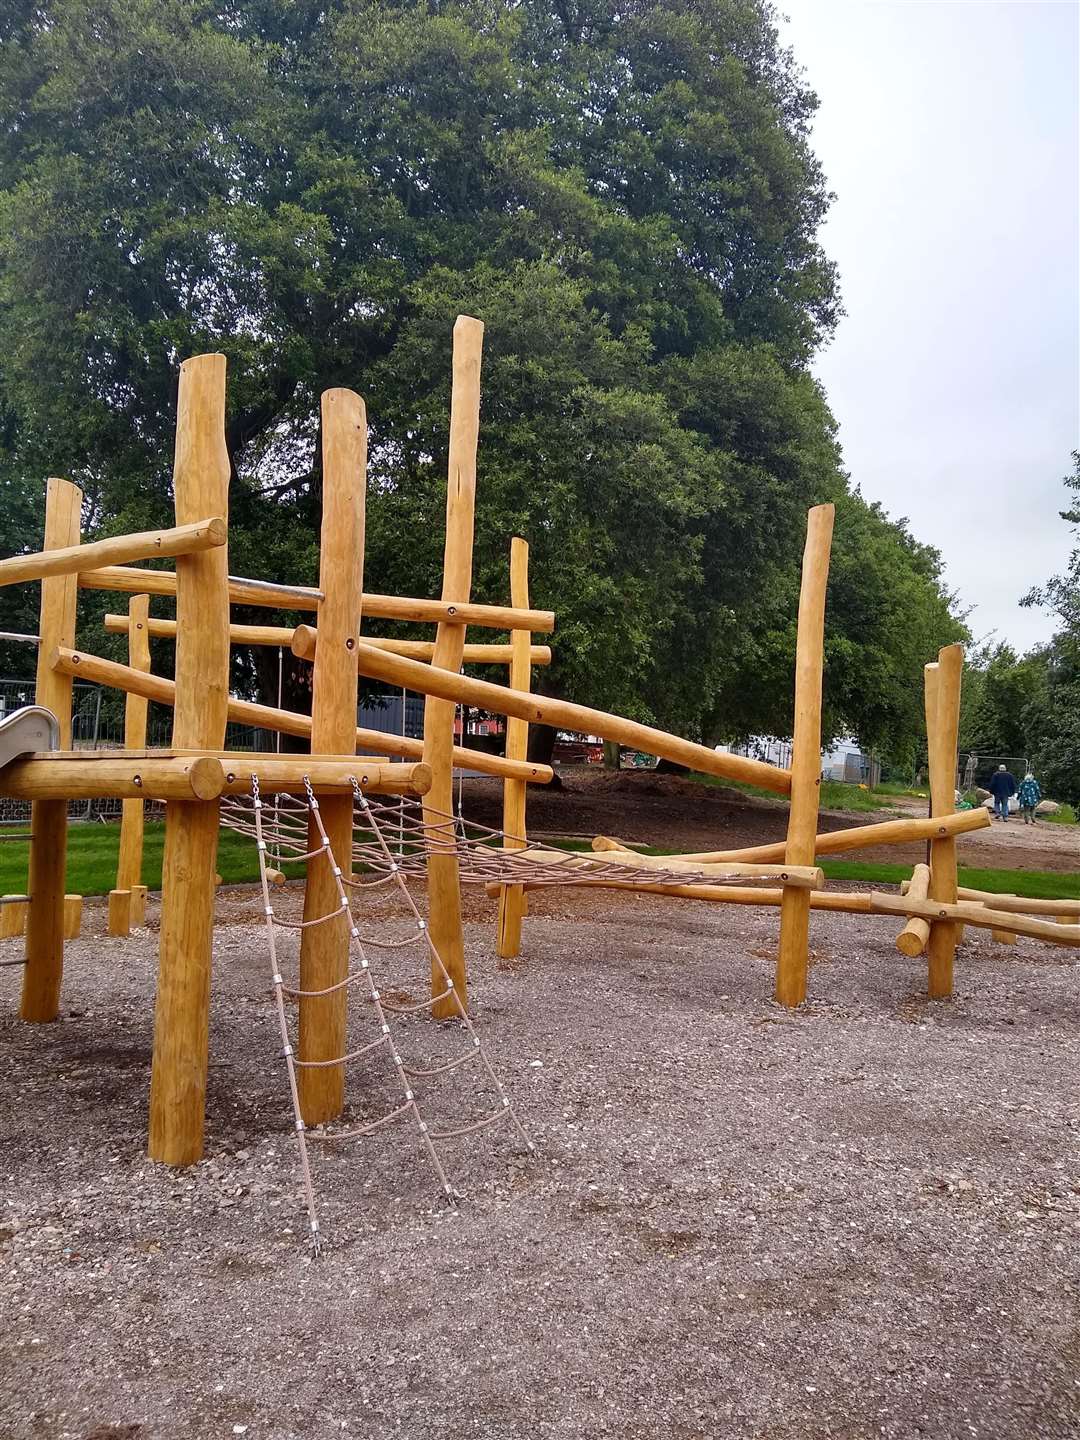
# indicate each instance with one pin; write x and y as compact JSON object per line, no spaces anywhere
{"x":1002,"y":785}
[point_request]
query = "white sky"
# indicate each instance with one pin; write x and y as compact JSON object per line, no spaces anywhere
{"x":949,"y":133}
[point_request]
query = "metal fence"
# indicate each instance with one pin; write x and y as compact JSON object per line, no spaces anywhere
{"x":97,"y":723}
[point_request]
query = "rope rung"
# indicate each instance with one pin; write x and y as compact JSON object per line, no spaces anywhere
{"x":476,"y":1125}
{"x":442,"y":1069}
{"x":364,"y":1129}
{"x":342,"y":1059}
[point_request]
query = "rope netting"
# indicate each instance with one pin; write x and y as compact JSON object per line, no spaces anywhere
{"x":417,"y":832}
{"x":287,"y":831}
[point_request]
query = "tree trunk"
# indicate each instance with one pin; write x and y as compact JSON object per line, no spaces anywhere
{"x":542,"y":748}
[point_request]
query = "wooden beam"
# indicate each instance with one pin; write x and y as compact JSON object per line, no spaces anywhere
{"x":300,"y":597}
{"x":804,"y":877}
{"x":282,"y":635}
{"x":972,"y":912}
{"x":793,"y":954}
{"x":444,"y":885}
{"x":129,"y":860}
{"x":542,"y":710}
{"x":181,"y":1023}
{"x":71,"y":775}
{"x":47,"y":870}
{"x":512,"y":897}
{"x":913,"y":937}
{"x":836,"y":842}
{"x":288,"y":722}
{"x":329,"y":775}
{"x":942,"y":723}
{"x":1023,"y":904}
{"x":73,"y":559}
{"x":324,"y":949}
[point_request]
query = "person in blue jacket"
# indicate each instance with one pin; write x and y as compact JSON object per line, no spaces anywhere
{"x":1002,"y":785}
{"x":1029,"y":796}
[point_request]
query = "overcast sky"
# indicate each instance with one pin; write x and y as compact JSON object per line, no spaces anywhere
{"x":949,"y":133}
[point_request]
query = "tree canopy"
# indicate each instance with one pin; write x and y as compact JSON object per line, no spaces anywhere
{"x":627,"y":199}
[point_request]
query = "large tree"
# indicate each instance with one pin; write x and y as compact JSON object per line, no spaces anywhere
{"x":630,"y":202}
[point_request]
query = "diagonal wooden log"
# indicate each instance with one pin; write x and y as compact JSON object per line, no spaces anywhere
{"x":73,"y":559}
{"x":266,"y":717}
{"x":543,"y":710}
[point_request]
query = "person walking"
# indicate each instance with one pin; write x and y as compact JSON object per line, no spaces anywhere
{"x":1029,"y":796}
{"x":1002,"y":786}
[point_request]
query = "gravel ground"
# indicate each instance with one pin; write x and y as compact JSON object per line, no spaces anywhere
{"x":861,"y":1220}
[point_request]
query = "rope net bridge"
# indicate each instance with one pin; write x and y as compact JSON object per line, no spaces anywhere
{"x":293,"y":827}
{"x":394,"y":838}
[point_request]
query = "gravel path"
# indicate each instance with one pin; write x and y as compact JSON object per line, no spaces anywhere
{"x":862,"y":1220}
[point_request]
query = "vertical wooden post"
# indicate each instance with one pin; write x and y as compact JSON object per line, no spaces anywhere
{"x":793,"y":955}
{"x":119,"y":920}
{"x":181,"y":1021}
{"x":324,"y":949}
{"x":72,"y":916}
{"x":48,"y":824}
{"x":12,"y":917}
{"x":444,"y":888}
{"x":512,"y":900}
{"x":129,"y":863}
{"x":942,"y":725}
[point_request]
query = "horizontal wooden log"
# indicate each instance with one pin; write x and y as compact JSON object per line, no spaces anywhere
{"x":1022,"y":904}
{"x":836,"y":900}
{"x":835,"y":842}
{"x":282,"y":635}
{"x":287,"y":722}
{"x":970,"y":912}
{"x":541,"y":710}
{"x":299,"y":597}
{"x":147,"y":545}
{"x":802,"y":877}
{"x":327,"y":773}
{"x":872,"y":903}
{"x":110,"y":774}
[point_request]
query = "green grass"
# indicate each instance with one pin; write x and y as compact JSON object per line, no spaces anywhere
{"x":1065,"y":816}
{"x":834,"y":794}
{"x":92,"y":854}
{"x":1035,"y":884}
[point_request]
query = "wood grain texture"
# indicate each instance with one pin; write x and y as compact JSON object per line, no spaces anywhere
{"x":129,"y":860}
{"x":512,"y":900}
{"x":283,"y":635}
{"x":297,"y":597}
{"x":71,"y":559}
{"x":288,"y":722}
{"x":444,"y":889}
{"x":544,"y":710}
{"x":942,"y":726}
{"x":324,"y":949}
{"x":110,"y":774}
{"x":793,"y":954}
{"x":181,"y":1021}
{"x":913,"y":937}
{"x":43,"y":972}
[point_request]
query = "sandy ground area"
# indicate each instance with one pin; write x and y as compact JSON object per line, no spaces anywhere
{"x":859,"y":1220}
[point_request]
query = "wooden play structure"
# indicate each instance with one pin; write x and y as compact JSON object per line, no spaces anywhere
{"x":336,"y":811}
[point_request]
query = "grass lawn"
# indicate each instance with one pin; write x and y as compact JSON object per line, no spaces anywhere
{"x":834,"y":794}
{"x":92,"y":852}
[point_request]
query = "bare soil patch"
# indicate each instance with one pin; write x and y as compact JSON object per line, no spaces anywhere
{"x":861,"y":1220}
{"x":667,"y":810}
